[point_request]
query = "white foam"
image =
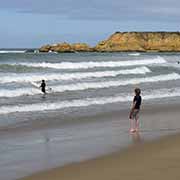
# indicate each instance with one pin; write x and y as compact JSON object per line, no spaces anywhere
{"x":134,"y":54}
{"x":99,"y":85}
{"x":156,"y":94}
{"x":90,"y":85}
{"x":12,"y":51}
{"x":91,"y":64}
{"x":19,"y":92}
{"x":69,"y":76}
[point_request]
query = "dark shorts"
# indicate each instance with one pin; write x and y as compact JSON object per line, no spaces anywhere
{"x":135,"y":114}
{"x":43,"y":90}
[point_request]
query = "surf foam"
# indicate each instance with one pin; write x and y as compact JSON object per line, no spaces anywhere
{"x":156,"y":94}
{"x":134,"y":54}
{"x":91,"y":64}
{"x":70,"y":76}
{"x":90,"y":85}
{"x":99,"y":85}
{"x":11,"y":51}
{"x":19,"y":92}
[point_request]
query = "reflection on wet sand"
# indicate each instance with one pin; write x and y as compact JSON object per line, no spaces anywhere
{"x":136,"y":137}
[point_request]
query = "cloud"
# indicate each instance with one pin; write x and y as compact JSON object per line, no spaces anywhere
{"x":31,"y":23}
{"x":99,"y":9}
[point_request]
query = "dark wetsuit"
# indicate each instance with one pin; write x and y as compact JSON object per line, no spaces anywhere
{"x":137,"y":100}
{"x":43,"y":87}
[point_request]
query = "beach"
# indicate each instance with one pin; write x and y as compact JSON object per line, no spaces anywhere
{"x":144,"y":158}
{"x":84,"y":115}
{"x":77,"y":147}
{"x":73,"y":75}
{"x":158,"y":160}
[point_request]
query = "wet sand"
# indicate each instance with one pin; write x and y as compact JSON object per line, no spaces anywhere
{"x":140,"y":156}
{"x":155,"y":160}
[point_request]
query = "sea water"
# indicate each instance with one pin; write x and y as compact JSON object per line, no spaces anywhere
{"x":82,"y":83}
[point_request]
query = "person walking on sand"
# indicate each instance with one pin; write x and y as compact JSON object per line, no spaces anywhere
{"x":43,"y":86}
{"x":134,"y":112}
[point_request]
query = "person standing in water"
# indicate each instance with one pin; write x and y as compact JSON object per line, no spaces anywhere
{"x":134,"y":112}
{"x":43,"y":86}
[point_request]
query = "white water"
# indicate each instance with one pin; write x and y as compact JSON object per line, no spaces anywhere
{"x":134,"y":54}
{"x":92,"y":64}
{"x":19,"y":92}
{"x":11,"y":51}
{"x":99,"y":85}
{"x":69,"y":76}
{"x":155,"y":94}
{"x":90,"y":85}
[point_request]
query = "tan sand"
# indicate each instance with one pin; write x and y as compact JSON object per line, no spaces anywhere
{"x":150,"y":161}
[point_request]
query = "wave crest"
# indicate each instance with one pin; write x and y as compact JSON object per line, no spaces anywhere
{"x":90,"y":85}
{"x":155,"y":94}
{"x":70,"y":76}
{"x":92,"y":64}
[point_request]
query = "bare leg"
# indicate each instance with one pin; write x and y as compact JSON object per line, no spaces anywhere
{"x":136,"y":123}
{"x":132,"y":129}
{"x":131,"y":124}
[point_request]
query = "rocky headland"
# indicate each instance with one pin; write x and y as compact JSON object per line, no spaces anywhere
{"x":125,"y":41}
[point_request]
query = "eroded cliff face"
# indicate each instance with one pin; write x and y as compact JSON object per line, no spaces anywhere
{"x":141,"y":41}
{"x":125,"y":41}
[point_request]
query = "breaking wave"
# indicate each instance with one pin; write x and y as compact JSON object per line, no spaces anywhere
{"x":92,"y":64}
{"x":11,"y":51}
{"x":155,"y":94}
{"x":89,"y":85}
{"x":70,"y":76}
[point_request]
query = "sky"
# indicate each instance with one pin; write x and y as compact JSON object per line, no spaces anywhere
{"x":33,"y":23}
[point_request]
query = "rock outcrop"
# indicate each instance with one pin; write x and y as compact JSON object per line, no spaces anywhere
{"x":81,"y":47}
{"x":141,"y":41}
{"x":65,"y":47}
{"x":45,"y":48}
{"x":125,"y":41}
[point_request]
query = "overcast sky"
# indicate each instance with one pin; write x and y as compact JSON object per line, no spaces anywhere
{"x":32,"y":23}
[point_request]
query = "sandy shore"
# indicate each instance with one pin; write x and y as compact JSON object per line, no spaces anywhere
{"x":158,"y":159}
{"x":155,"y":160}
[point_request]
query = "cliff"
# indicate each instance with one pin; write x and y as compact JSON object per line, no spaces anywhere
{"x":125,"y":41}
{"x":141,"y":41}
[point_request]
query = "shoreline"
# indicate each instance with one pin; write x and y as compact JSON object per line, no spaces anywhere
{"x":44,"y":124}
{"x":158,"y":159}
{"x":153,"y":135}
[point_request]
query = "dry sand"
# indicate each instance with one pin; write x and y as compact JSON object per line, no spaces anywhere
{"x":150,"y":161}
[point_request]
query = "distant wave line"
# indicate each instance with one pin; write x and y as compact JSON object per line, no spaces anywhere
{"x":69,"y":76}
{"x":92,"y":64}
{"x":11,"y":51}
{"x":134,"y":54}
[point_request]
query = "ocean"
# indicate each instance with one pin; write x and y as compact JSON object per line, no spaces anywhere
{"x":85,"y":112}
{"x":82,"y":84}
